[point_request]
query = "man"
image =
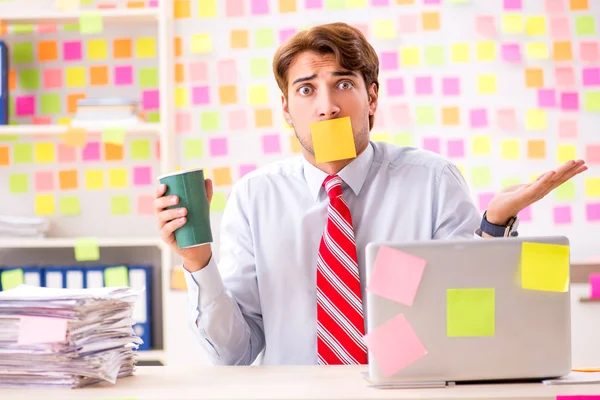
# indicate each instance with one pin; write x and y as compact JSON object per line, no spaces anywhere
{"x":292,"y":270}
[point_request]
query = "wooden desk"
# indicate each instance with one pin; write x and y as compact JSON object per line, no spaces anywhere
{"x":310,"y":382}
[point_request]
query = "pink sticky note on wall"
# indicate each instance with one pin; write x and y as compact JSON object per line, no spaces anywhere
{"x":246,"y":168}
{"x":183,"y":122}
{"x":513,"y":5}
{"x":142,"y":176}
{"x":123,"y":75}
{"x":591,"y":76}
{"x":396,"y":275}
{"x":546,"y":98}
{"x":555,"y":6}
{"x":479,"y":118}
{"x":525,"y":214}
{"x":150,"y":99}
{"x":311,"y":4}
{"x":451,"y":86}
{"x":564,"y":76}
{"x":66,"y":154}
{"x":198,"y":71}
{"x":259,"y":7}
{"x":285,"y":34}
{"x":91,"y":151}
{"x":383,"y":3}
{"x":234,"y":8}
{"x":562,"y":214}
{"x":486,"y":26}
{"x":44,"y":181}
{"x":456,"y":148}
{"x":432,"y":144}
{"x":408,"y":23}
{"x":395,"y":86}
{"x":595,"y":286}
{"x":592,"y":154}
{"x":218,"y":147}
{"x":511,"y":53}
{"x":389,"y":60}
{"x":484,"y":200}
{"x":34,"y":330}
{"x":271,"y":144}
{"x":592,"y":211}
{"x":569,"y":101}
{"x":237,"y":120}
{"x":25,"y":106}
{"x":589,"y":52}
{"x":400,"y":114}
{"x":145,"y":205}
{"x":53,"y":78}
{"x":423,"y":85}
{"x":560,"y":27}
{"x":227,"y":72}
{"x":394,"y":345}
{"x":507,"y":119}
{"x":72,"y":51}
{"x":568,"y":128}
{"x":200,"y":95}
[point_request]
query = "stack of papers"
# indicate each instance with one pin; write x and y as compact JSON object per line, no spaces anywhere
{"x":66,"y":337}
{"x":11,"y":226}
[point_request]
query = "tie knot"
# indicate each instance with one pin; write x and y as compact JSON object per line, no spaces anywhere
{"x":333,"y":186}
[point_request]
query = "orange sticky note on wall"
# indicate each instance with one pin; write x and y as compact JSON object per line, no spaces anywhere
{"x":76,"y":137}
{"x":333,"y":140}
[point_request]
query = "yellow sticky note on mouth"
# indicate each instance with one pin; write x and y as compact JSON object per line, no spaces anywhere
{"x":333,"y":140}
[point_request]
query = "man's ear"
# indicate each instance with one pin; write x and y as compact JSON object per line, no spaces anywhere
{"x":286,"y":111}
{"x":373,"y":99}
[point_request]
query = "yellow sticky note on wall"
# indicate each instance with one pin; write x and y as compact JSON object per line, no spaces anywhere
{"x":410,"y":57}
{"x":66,"y":5}
{"x":460,"y":52}
{"x":592,"y":187}
{"x":94,"y":179}
{"x":481,"y":145}
{"x":384,"y":29}
{"x":207,"y":8}
{"x":536,"y":120}
{"x":486,"y":51}
{"x":181,"y":97}
{"x":202,"y":43}
{"x":545,"y":267}
{"x":487,"y":84}
{"x":511,"y":149}
{"x":114,"y":134}
{"x":44,"y":153}
{"x":537,"y":51}
{"x":86,"y":249}
{"x":145,"y":47}
{"x":44,"y":204}
{"x":512,"y":23}
{"x":566,"y":152}
{"x":91,"y":22}
{"x":333,"y":140}
{"x":258,"y":95}
{"x":536,"y":25}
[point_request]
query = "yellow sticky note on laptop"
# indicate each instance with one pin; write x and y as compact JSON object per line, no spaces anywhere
{"x":545,"y":267}
{"x":333,"y":140}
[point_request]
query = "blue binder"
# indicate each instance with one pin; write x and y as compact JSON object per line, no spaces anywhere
{"x":32,"y":275}
{"x":4,"y":67}
{"x":140,"y":277}
{"x":55,"y":277}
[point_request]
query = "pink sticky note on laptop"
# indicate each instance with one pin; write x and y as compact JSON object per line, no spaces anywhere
{"x":34,"y":330}
{"x":395,"y":345}
{"x":595,"y":286}
{"x":396,"y":275}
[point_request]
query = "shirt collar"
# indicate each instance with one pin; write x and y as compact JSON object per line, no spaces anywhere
{"x":353,"y":174}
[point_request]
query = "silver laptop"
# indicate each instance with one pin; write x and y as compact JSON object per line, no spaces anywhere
{"x":532,"y":329}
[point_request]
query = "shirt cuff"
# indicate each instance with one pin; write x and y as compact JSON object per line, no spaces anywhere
{"x":206,"y":284}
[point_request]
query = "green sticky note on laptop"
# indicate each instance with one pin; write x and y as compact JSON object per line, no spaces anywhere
{"x":116,"y":276}
{"x":11,"y":278}
{"x":471,"y":312}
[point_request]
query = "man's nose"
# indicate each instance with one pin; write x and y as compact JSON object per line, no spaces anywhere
{"x":327,"y":107}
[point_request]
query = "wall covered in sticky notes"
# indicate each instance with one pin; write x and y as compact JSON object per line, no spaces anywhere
{"x":504,"y":89}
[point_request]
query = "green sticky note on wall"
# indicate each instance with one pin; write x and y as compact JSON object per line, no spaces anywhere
{"x":265,"y":38}
{"x":585,"y":25}
{"x":18,"y":183}
{"x":29,"y":79}
{"x":22,"y":28}
{"x":193,"y":148}
{"x":50,"y":103}
{"x":148,"y":78}
{"x":86,"y":249}
{"x":114,"y":135}
{"x":116,"y":276}
{"x":545,"y":267}
{"x":71,"y":27}
{"x":23,"y":53}
{"x":140,"y":149}
{"x":259,"y":67}
{"x":69,"y":205}
{"x":11,"y":278}
{"x":91,"y":22}
{"x":23,"y":153}
{"x":434,"y":55}
{"x":592,"y":101}
{"x":481,"y":177}
{"x":210,"y":121}
{"x":153,"y":117}
{"x":335,"y":4}
{"x":565,"y":191}
{"x":403,"y":139}
{"x":217,"y":204}
{"x":120,"y":205}
{"x":425,"y":115}
{"x":470,"y":312}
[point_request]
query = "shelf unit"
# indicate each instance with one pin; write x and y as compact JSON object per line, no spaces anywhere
{"x":162,"y":17}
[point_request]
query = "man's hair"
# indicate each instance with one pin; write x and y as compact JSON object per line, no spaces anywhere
{"x":351,"y":49}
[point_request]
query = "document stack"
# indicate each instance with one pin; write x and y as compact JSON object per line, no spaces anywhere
{"x":13,"y":226}
{"x":66,"y":337}
{"x":107,"y":112}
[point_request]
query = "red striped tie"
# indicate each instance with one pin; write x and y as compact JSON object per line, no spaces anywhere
{"x":340,"y":322}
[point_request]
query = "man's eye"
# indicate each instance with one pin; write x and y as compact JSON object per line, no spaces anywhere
{"x":345,"y":85}
{"x":305,"y":90}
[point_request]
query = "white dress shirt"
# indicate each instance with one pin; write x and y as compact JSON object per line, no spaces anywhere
{"x":262,"y":295}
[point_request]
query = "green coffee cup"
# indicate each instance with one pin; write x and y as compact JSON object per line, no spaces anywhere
{"x":189,"y":186}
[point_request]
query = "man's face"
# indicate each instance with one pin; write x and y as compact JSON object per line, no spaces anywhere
{"x":320,"y":89}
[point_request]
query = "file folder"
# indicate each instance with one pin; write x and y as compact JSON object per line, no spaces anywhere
{"x":140,"y":277}
{"x":74,"y":278}
{"x":55,"y":277}
{"x":94,"y":277}
{"x":33,"y":276}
